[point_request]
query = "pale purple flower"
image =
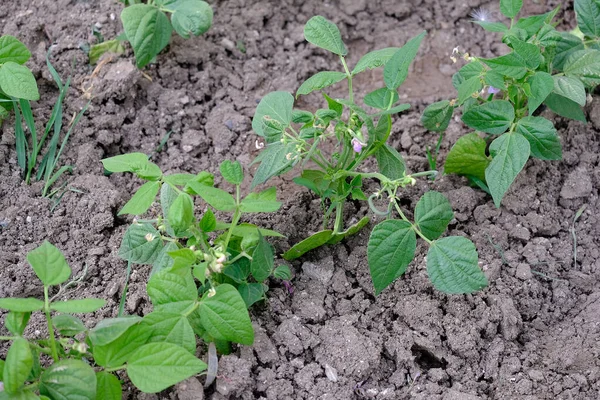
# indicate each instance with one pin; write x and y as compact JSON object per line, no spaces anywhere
{"x":357,"y":145}
{"x":288,"y":286}
{"x":493,"y":90}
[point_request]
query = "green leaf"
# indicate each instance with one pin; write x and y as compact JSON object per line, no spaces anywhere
{"x":312,"y":242}
{"x":232,"y":172}
{"x":110,"y":329}
{"x":282,"y":272}
{"x":21,"y":305}
{"x":245,"y":229}
{"x":170,"y":287}
{"x":541,"y":85}
{"x":334,"y":105}
{"x":396,"y":69}
{"x":49,"y":265}
{"x":208,"y":223}
{"x":17,"y":81}
{"x":68,"y":325}
{"x":509,"y":153}
{"x":542,"y":137}
{"x":494,"y":117}
{"x":324,"y":34}
{"x":468,"y":88}
{"x":302,"y":117}
{"x":571,"y":88}
{"x":394,"y":110}
{"x":141,"y":244}
{"x":21,"y":395}
{"x":203,"y":178}
{"x":191,"y":17}
{"x":467,"y":157}
{"x":218,"y":199}
{"x":452,"y":266}
{"x":18,"y":364}
{"x":262,"y":259}
{"x":69,"y":380}
{"x":470,"y":70}
{"x":528,"y":53}
{"x":16,"y":322}
{"x":374,"y":59}
{"x":275,"y":159}
{"x":118,"y":351}
{"x":251,"y":292}
{"x":78,"y":306}
{"x":179,"y":179}
{"x":110,"y":46}
{"x":492,"y":26}
{"x":276,"y":106}
{"x":183,"y":258}
{"x":584,"y":65}
{"x":163,"y":260}
{"x":171,"y":328}
{"x":142,"y":199}
{"x":148,"y":30}
{"x":108,"y":386}
{"x":534,"y":23}
{"x":588,"y":17}
{"x":509,"y":65}
{"x":11,"y":49}
{"x":494,"y":79}
{"x":510,"y":8}
{"x":265,"y":201}
{"x":433,"y":213}
{"x":565,"y":107}
{"x":156,"y":366}
{"x":391,"y":248}
{"x":320,"y":81}
{"x":224,"y":316}
{"x":390,"y":162}
{"x":181,"y":213}
{"x":381,"y":99}
{"x":437,"y":116}
{"x":565,"y":47}
{"x":125,"y":162}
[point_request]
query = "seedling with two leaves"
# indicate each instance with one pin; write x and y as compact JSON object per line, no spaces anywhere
{"x":501,"y":97}
{"x":338,"y":140}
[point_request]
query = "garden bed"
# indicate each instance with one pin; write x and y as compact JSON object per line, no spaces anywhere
{"x":534,"y":333}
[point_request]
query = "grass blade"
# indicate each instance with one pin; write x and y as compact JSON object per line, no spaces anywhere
{"x":21,"y":141}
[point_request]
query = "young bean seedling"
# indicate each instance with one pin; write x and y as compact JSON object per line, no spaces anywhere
{"x":74,"y":362}
{"x":226,"y":263}
{"x":338,"y":140}
{"x":502,"y":96}
{"x":148,"y":28}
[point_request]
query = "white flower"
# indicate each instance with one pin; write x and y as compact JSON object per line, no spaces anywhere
{"x":482,"y":15}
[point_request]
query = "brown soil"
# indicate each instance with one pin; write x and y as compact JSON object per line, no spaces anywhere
{"x":533,"y":334}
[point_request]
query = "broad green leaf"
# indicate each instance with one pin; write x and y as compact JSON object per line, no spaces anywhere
{"x":216,"y":198}
{"x":11,"y":49}
{"x":381,"y":133}
{"x":108,"y":330}
{"x":381,"y":99}
{"x":181,"y":213}
{"x":265,"y":201}
{"x":529,"y":54}
{"x":283,"y":272}
{"x":169,"y":287}
{"x":21,"y":305}
{"x":374,"y":59}
{"x":1,"y":369}
{"x":571,"y":88}
{"x":565,"y":107}
{"x":390,"y":162}
{"x":534,"y":23}
{"x":391,"y":248}
{"x":224,"y":316}
{"x":312,"y":242}
{"x":183,"y":258}
{"x":163,"y":259}
{"x":117,"y":352}
{"x":149,"y":171}
{"x":142,"y":199}
{"x":452,"y":266}
{"x":510,"y":8}
{"x":437,"y":116}
{"x":108,"y":386}
{"x":262,"y":259}
{"x":492,"y":26}
{"x":49,"y":265}
{"x":324,"y":34}
{"x":109,"y":46}
{"x":494,"y":79}
{"x":17,"y":81}
{"x":156,"y":366}
{"x":542,"y":137}
{"x":274,"y":160}
{"x":470,"y":70}
{"x":208,"y":223}
{"x":232,"y":172}
{"x":276,"y":106}
{"x":3,"y":114}
{"x":509,"y":153}
{"x":541,"y":85}
{"x":469,"y":88}
{"x":394,"y":110}
{"x":396,"y":69}
{"x":171,"y":328}
{"x":549,"y":38}
{"x":68,"y":325}
{"x":179,"y":179}
{"x":18,"y":364}
{"x":21,"y":395}
{"x":148,"y":30}
{"x":565,"y":47}
{"x":467,"y":157}
{"x":16,"y":322}
{"x":433,"y":213}
{"x":69,"y":379}
{"x":302,"y":117}
{"x":78,"y":306}
{"x":252,"y":292}
{"x":509,"y":65}
{"x":203,"y":178}
{"x":588,"y":17}
{"x":494,"y":117}
{"x":334,"y":105}
{"x":320,"y":81}
{"x":125,"y":162}
{"x":191,"y":17}
{"x":141,"y":244}
{"x":584,"y":65}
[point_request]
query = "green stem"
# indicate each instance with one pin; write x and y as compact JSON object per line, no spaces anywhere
{"x":236,"y":217}
{"x":242,"y":254}
{"x":349,"y":75}
{"x":414,"y":227}
{"x":114,"y":369}
{"x":50,"y":326}
{"x":8,"y":337}
{"x":189,"y":312}
{"x":339,"y":215}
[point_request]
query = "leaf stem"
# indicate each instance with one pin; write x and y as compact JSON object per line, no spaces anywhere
{"x":242,"y":254}
{"x":114,"y":369}
{"x":236,"y":218}
{"x":50,"y":326}
{"x":349,"y":75}
{"x":414,"y":227}
{"x":8,"y":337}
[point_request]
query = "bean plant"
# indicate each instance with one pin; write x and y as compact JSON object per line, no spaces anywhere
{"x":502,"y":97}
{"x":337,"y":141}
{"x":149,"y":30}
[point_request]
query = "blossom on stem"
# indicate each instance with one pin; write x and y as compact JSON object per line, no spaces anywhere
{"x":493,"y":90}
{"x":357,"y":145}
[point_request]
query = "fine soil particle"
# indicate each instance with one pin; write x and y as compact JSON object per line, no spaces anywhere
{"x":533,"y":334}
